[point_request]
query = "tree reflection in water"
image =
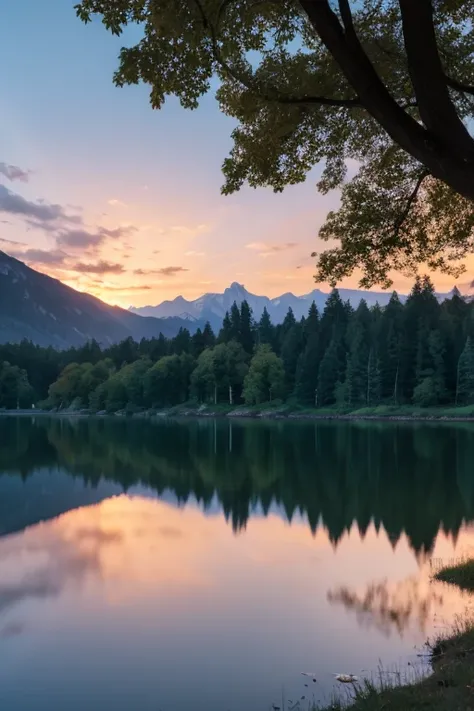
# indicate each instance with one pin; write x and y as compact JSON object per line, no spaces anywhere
{"x":389,"y":607}
{"x":412,"y":479}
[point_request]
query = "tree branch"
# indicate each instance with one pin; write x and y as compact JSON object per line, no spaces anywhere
{"x":346,"y":14}
{"x":459,"y":86}
{"x":411,"y":199}
{"x":268,"y":93}
{"x":436,"y":108}
{"x":438,"y":156}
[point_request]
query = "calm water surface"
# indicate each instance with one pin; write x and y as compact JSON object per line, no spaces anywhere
{"x":200,"y":564}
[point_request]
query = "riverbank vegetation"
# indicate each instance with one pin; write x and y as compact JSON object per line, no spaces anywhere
{"x":450,"y":687}
{"x":461,"y":574}
{"x":407,"y":356}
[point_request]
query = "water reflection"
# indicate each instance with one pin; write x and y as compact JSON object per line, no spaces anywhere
{"x":159,"y":604}
{"x":412,"y":479}
{"x":391,"y":607}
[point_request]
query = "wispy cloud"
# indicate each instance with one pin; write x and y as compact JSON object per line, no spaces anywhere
{"x":266,"y":250}
{"x":184,"y":230}
{"x":14,"y":172}
{"x":116,"y":203}
{"x":13,"y":242}
{"x":101,"y":267}
{"x":164,"y":271}
{"x":131,"y":287}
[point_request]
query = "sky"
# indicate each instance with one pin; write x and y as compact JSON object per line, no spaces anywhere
{"x":113,"y":198}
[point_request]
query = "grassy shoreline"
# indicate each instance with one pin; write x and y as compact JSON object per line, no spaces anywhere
{"x":406,"y":413}
{"x":451,"y":685}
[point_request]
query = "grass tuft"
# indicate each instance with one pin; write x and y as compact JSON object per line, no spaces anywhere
{"x":461,"y":575}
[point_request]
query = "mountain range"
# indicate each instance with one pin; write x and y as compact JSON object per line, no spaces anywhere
{"x":212,"y":307}
{"x":45,"y":311}
{"x":41,"y":309}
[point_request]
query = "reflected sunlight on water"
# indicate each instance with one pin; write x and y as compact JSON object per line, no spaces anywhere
{"x":115,"y":582}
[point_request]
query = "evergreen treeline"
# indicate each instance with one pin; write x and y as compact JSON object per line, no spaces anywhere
{"x":420,"y":352}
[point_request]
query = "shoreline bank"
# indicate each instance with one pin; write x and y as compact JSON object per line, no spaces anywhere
{"x":282,"y":413}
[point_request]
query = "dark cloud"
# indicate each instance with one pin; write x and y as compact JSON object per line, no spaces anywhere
{"x":15,"y":204}
{"x":101,"y":267}
{"x":13,"y":172}
{"x":164,"y":271}
{"x":82,"y":238}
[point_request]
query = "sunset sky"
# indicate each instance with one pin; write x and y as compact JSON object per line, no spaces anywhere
{"x":122,"y":201}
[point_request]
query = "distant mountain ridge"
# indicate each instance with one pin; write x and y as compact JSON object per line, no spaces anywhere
{"x":41,"y":309}
{"x":212,"y":307}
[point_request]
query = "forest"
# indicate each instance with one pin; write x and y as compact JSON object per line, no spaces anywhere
{"x":420,"y":352}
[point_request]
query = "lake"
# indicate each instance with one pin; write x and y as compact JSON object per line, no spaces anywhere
{"x":176,"y":565}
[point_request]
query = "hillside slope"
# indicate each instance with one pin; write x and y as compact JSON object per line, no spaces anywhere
{"x":41,"y":309}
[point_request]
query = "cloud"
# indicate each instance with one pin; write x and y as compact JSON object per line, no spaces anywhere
{"x":266,"y":250}
{"x":101,"y":267}
{"x":187,"y":231}
{"x":192,"y":253}
{"x":83,"y":238}
{"x":41,"y":256}
{"x":15,"y":204}
{"x":68,"y":230}
{"x":116,"y":203}
{"x":164,"y":271}
{"x":132,"y":287}
{"x":13,"y":242}
{"x":13,"y":172}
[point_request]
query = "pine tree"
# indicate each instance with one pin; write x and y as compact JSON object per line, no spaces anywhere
{"x":465,"y":375}
{"x":359,"y":336}
{"x":329,"y":375}
{"x":431,"y":387}
{"x":265,"y":329}
{"x":373,"y":380}
{"x":247,"y":328}
{"x":291,"y":348}
{"x":225,"y":334}
{"x":208,"y":336}
{"x":309,"y":360}
{"x":235,"y":322}
{"x":389,"y":341}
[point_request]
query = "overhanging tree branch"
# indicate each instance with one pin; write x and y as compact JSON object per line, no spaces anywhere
{"x":437,"y":153}
{"x":436,"y":108}
{"x":266,"y":92}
